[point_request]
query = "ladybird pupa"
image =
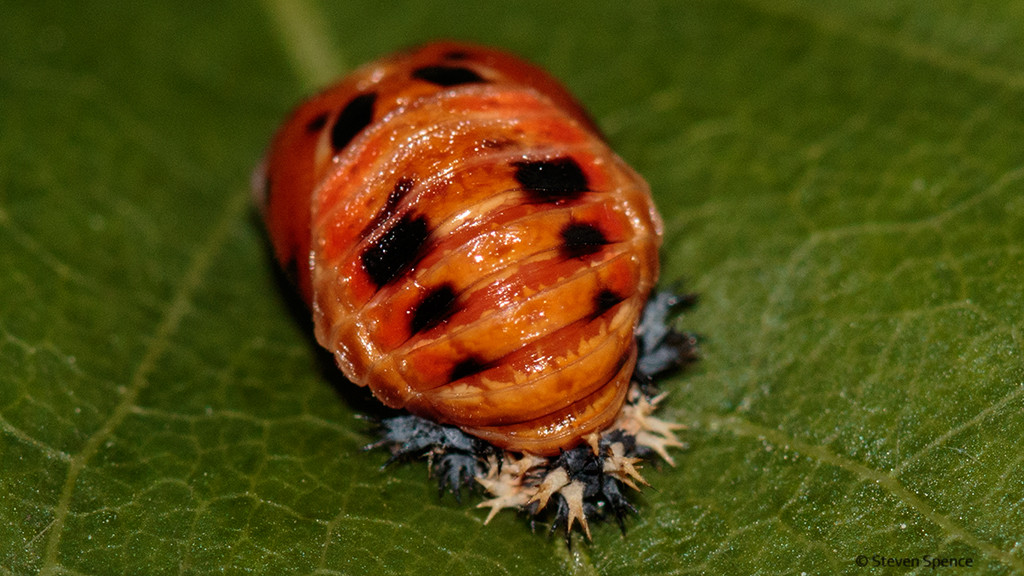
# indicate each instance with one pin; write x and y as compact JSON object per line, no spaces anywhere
{"x":473,"y":252}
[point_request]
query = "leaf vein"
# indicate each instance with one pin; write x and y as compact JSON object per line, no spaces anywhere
{"x":173,"y":315}
{"x":746,"y":428}
{"x":909,"y":49}
{"x":310,"y":48}
{"x":963,"y":426}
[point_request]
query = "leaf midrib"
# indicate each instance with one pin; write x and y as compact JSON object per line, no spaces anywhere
{"x":176,"y":309}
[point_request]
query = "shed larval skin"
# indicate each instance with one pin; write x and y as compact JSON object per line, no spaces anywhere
{"x":471,"y":248}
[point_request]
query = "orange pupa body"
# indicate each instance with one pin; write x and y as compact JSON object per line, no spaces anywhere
{"x":471,"y":248}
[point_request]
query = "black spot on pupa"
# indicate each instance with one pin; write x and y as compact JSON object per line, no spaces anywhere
{"x":551,"y":180}
{"x":447,"y":75}
{"x":317,"y":123}
{"x":456,"y":55}
{"x":437,"y":306}
{"x":396,"y":250}
{"x":467,"y":367}
{"x":604,"y":301}
{"x":355,"y":116}
{"x":581,"y":240}
{"x":402,"y":187}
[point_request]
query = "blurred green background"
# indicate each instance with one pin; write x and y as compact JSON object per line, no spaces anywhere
{"x":843,"y":183}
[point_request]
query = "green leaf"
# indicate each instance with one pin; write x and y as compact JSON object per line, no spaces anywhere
{"x":842,"y":182}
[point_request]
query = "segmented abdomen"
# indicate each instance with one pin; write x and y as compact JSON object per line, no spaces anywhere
{"x":478,"y":255}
